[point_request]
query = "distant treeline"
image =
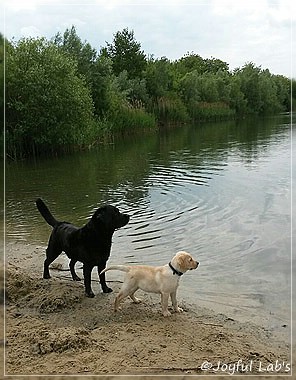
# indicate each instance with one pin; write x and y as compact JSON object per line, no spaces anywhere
{"x":62,"y":93}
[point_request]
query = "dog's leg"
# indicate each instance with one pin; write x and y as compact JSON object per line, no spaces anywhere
{"x":118,"y":299}
{"x":175,"y":303}
{"x":46,"y":273}
{"x":128,"y":289}
{"x":87,"y":269}
{"x":135,"y":299}
{"x":102,"y":277}
{"x":52,"y":252}
{"x":165,"y":304}
{"x":72,"y":269}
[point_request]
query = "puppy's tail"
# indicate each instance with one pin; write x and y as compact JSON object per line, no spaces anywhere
{"x":44,"y":211}
{"x":123,"y":268}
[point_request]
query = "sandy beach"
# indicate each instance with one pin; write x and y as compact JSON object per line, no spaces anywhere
{"x":51,"y":328}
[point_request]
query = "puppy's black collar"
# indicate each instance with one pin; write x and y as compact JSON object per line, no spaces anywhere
{"x":175,"y":271}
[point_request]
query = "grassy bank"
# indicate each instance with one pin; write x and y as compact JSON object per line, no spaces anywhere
{"x":61,"y":94}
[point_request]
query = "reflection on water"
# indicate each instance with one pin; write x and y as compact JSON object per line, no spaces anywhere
{"x":220,"y":191}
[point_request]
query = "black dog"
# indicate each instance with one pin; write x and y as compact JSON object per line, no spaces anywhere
{"x":90,"y":244}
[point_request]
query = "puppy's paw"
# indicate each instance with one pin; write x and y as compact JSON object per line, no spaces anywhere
{"x":179,"y":310}
{"x":135,"y":299}
{"x":166,"y":313}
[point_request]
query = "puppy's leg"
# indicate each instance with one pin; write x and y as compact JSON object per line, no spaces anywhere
{"x":87,"y":268}
{"x":118,"y":299}
{"x":164,"y":304}
{"x":72,"y":269}
{"x":128,"y":289}
{"x":175,"y":303}
{"x":52,"y":252}
{"x":135,"y":299}
{"x":102,"y":277}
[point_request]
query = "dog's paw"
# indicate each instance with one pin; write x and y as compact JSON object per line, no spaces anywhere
{"x":76,"y":278}
{"x":166,"y":313}
{"x":179,"y":310}
{"x":90,"y":294}
{"x":107,"y":290}
{"x":135,"y":299}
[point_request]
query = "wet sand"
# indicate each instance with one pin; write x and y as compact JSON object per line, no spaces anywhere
{"x":53,"y":329}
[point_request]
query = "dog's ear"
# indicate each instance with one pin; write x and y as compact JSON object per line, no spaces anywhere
{"x":101,"y":217}
{"x":184,"y":261}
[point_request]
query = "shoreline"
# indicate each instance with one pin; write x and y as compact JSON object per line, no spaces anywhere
{"x":52,"y":328}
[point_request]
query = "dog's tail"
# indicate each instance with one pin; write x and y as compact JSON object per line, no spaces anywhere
{"x":123,"y":268}
{"x":44,"y":211}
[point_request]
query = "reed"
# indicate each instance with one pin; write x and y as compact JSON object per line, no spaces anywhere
{"x":204,"y":111}
{"x":169,"y":110}
{"x":129,"y":119}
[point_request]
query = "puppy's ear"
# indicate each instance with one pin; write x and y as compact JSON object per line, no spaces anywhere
{"x":182,"y":262}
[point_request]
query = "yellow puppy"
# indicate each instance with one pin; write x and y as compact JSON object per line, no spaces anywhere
{"x":163,"y":280}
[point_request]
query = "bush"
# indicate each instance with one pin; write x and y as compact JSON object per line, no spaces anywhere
{"x":48,"y":104}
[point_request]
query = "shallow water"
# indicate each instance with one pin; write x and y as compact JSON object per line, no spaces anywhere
{"x":220,"y":191}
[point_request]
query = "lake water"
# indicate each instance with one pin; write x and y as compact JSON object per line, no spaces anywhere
{"x":220,"y":191}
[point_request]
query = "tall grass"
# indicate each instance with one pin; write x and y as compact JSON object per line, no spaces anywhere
{"x":129,"y":119}
{"x":204,"y":111}
{"x":169,"y":110}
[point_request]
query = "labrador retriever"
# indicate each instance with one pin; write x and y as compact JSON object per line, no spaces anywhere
{"x":163,"y":280}
{"x":90,"y":244}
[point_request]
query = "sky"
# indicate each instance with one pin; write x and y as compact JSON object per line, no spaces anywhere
{"x":235,"y":31}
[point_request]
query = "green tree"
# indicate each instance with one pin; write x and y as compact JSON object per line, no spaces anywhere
{"x":249,"y":76}
{"x":190,"y":62}
{"x":214,"y":65}
{"x":284,"y":86}
{"x":96,"y":69}
{"x":82,"y":52}
{"x":237,"y":100}
{"x":126,"y":54}
{"x":2,"y":43}
{"x":102,"y":77}
{"x":269,"y":94}
{"x":48,"y":103}
{"x":292,"y":95}
{"x":159,"y":77}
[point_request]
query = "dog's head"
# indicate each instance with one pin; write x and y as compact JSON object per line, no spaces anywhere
{"x":110,"y":218}
{"x":184,"y":262}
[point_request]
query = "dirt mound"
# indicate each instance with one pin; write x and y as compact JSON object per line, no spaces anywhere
{"x":43,"y":295}
{"x":60,"y":340}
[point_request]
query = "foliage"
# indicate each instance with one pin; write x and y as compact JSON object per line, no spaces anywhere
{"x":63,"y":93}
{"x":2,"y":76}
{"x":170,"y":109}
{"x":159,"y":77}
{"x":264,"y":93}
{"x":292,"y":94}
{"x":125,"y":53}
{"x":48,"y":103}
{"x":129,"y":120}
{"x":210,"y":111}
